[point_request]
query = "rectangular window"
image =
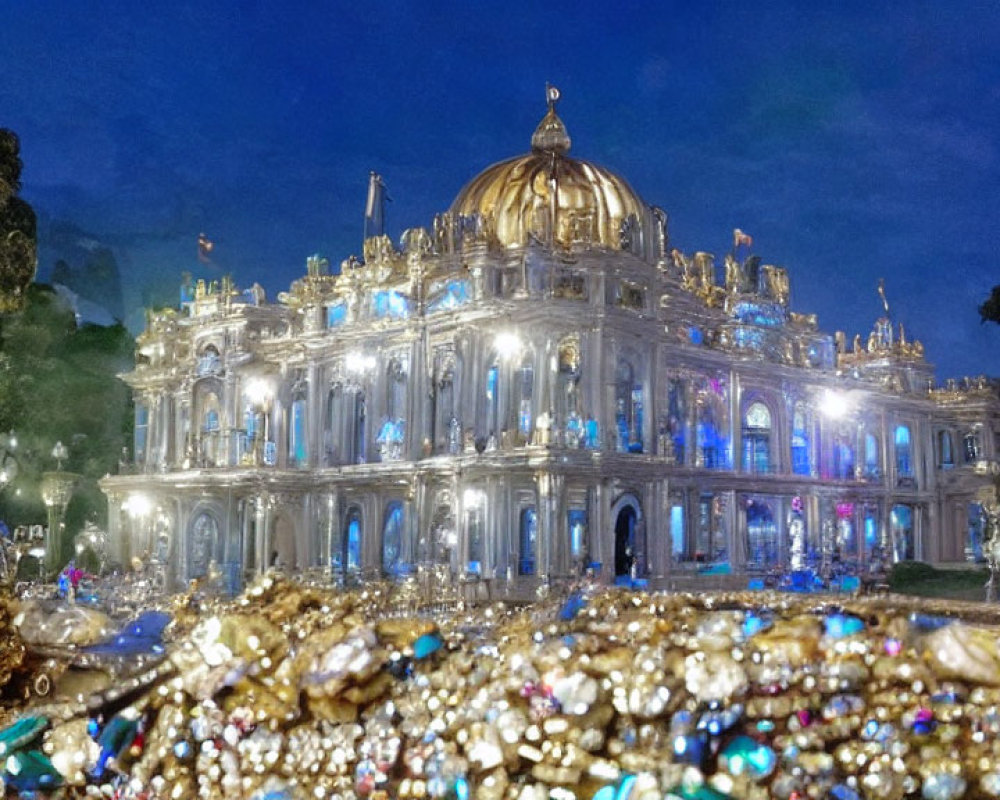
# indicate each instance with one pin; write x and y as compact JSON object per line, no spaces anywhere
{"x":141,"y":432}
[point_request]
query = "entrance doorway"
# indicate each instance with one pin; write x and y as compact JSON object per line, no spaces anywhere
{"x":625,"y":554}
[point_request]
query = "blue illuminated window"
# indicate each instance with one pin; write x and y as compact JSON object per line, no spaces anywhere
{"x":576,"y":519}
{"x":390,"y":304}
{"x":904,"y":465}
{"x":336,"y":314}
{"x":455,"y":294}
{"x":528,"y":540}
{"x":800,"y":442}
{"x":392,"y":537}
{"x":297,"y":451}
{"x":347,"y":557}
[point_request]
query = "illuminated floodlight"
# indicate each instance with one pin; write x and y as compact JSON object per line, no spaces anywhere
{"x":138,"y":505}
{"x":834,"y":404}
{"x":359,"y":362}
{"x":472,"y":498}
{"x":508,"y":344}
{"x":258,"y":391}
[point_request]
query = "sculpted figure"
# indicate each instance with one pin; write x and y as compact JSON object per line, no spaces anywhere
{"x":734,"y":276}
{"x":857,"y":344}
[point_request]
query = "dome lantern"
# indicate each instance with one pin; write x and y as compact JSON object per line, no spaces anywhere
{"x":550,"y":136}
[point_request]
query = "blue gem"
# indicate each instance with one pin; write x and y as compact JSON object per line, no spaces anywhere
{"x":842,"y":792}
{"x":926,"y":623}
{"x":572,"y":606}
{"x":427,"y":644}
{"x":754,"y":623}
{"x":141,"y":636}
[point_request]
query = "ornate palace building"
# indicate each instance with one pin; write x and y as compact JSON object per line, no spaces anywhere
{"x":537,"y":383}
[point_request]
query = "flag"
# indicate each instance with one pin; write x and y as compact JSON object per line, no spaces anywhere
{"x":741,"y":238}
{"x":375,"y":206}
{"x":204,"y":249}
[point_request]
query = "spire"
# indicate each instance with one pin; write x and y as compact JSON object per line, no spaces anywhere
{"x":550,"y":135}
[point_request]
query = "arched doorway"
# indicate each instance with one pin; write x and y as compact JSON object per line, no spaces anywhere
{"x":283,"y":554}
{"x":625,"y":540}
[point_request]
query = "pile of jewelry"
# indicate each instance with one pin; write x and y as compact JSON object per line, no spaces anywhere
{"x":292,"y":691}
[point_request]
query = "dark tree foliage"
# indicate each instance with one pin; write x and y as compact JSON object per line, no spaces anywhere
{"x":18,"y":247}
{"x":58,"y":383}
{"x":989,"y":311}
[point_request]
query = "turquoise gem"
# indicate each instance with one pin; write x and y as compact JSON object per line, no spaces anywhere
{"x":21,"y":733}
{"x":605,"y":793}
{"x":625,"y":788}
{"x":840,"y":625}
{"x":427,"y":644}
{"x":701,"y":792}
{"x":31,"y":771}
{"x":744,"y":755}
{"x":115,"y":739}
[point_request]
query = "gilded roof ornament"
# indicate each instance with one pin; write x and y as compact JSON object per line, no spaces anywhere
{"x":550,"y":135}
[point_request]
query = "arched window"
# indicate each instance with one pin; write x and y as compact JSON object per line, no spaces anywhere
{"x":628,"y":408}
{"x":524,"y":391}
{"x":762,"y":536}
{"x":528,"y":541}
{"x":447,"y":433}
{"x":391,"y":436}
{"x":567,"y":398}
{"x":347,"y":557}
{"x":492,"y":419}
{"x":210,"y":429}
{"x":800,"y":441}
{"x":333,"y":426}
{"x":843,"y":457}
{"x":901,"y":520}
{"x":972,"y":446}
{"x":946,"y":458}
{"x":904,"y":462}
{"x":677,"y":417}
{"x":392,"y":538}
{"x":757,"y":438}
{"x":871,"y":457}
{"x":358,"y":424}
{"x":141,"y":431}
{"x":297,"y":440}
{"x":202,"y":544}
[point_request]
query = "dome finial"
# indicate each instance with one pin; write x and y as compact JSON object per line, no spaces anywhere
{"x":550,"y":135}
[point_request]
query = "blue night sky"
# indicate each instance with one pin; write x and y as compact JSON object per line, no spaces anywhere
{"x":853,"y":141}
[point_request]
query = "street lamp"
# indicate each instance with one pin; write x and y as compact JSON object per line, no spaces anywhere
{"x":57,"y":489}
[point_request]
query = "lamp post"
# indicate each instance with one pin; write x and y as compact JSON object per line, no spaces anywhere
{"x":57,"y":489}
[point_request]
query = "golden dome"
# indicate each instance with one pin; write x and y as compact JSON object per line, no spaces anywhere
{"x":515,"y":197}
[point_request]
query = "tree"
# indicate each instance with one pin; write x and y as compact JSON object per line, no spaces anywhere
{"x":58,"y":383}
{"x":18,"y":247}
{"x":989,"y":311}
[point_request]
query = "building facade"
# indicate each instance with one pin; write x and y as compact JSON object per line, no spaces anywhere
{"x":537,"y":383}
